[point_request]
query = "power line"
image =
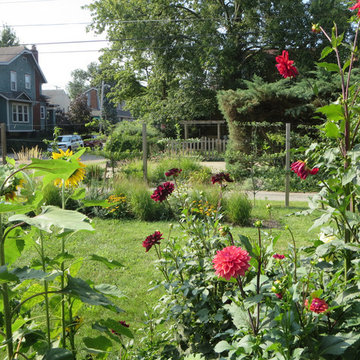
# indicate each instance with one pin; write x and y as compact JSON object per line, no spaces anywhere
{"x":23,"y":1}
{"x":118,"y":22}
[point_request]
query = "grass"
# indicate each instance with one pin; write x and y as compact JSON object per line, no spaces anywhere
{"x":121,"y":240}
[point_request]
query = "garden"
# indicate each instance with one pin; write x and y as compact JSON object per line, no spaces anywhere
{"x":186,"y":266}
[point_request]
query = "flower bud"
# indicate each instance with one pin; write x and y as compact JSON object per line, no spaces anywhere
{"x":258,"y":224}
{"x":315,"y":28}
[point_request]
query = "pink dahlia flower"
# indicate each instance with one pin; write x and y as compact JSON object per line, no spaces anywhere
{"x":173,"y":172}
{"x":285,"y":66}
{"x":318,"y":306}
{"x":230,"y":262}
{"x":151,"y":240}
{"x":279,"y":296}
{"x":356,"y":6}
{"x":301,"y":169}
{"x":163,"y":191}
{"x":278,"y":256}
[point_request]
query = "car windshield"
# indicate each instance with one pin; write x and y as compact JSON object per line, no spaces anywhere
{"x":64,"y":138}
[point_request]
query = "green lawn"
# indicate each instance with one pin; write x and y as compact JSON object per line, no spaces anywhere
{"x":121,"y":240}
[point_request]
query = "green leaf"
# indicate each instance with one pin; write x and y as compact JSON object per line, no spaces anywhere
{"x":108,"y":289}
{"x":79,"y":288}
{"x":18,"y":208}
{"x":247,"y":244}
{"x":110,"y":264}
{"x":6,"y":276}
{"x":337,"y":344}
{"x":223,"y":346}
{"x":112,"y":324}
{"x":58,"y":354}
{"x":97,"y":345}
{"x":328,"y":66}
{"x":349,"y":176}
{"x":333,"y":112}
{"x":78,"y":194}
{"x":27,"y":273}
{"x":326,"y":51}
{"x":66,"y":220}
{"x":331,"y":130}
{"x":253,"y":300}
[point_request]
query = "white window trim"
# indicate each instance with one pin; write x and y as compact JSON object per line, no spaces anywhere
{"x":24,"y":110}
{"x":13,"y":79}
{"x":42,"y":112}
{"x":28,"y":77}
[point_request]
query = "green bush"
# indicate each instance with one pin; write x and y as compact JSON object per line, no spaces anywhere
{"x":127,"y":136}
{"x":237,"y":208}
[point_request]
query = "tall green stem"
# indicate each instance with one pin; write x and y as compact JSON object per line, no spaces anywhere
{"x":46,"y":288}
{"x":62,"y":267}
{"x":6,"y":302}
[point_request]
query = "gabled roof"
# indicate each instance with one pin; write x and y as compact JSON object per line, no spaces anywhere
{"x":10,"y":53}
{"x":15,"y":96}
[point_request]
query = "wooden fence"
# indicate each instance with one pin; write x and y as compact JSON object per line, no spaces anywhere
{"x":205,"y":146}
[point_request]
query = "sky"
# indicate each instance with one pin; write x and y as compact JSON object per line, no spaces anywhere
{"x":37,"y":22}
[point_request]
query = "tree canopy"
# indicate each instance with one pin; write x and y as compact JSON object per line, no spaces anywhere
{"x":168,"y":58}
{"x":8,"y":37}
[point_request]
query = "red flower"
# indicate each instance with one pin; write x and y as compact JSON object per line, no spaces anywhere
{"x":278,"y":256}
{"x":163,"y":191}
{"x":152,"y":240}
{"x":230,"y":262}
{"x":285,"y":66}
{"x":356,"y":6}
{"x":317,"y":305}
{"x":301,"y":169}
{"x":173,"y":172}
{"x":279,"y":296}
{"x":220,"y":177}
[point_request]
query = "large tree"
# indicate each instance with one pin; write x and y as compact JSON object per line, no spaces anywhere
{"x":8,"y":37}
{"x":168,"y":58}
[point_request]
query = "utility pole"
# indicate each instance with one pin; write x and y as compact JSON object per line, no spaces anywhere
{"x":101,"y":106}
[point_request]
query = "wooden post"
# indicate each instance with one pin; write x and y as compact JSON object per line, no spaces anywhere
{"x":186,"y":131}
{"x":287,"y":166}
{"x":144,"y":147}
{"x":3,"y":142}
{"x":218,"y":131}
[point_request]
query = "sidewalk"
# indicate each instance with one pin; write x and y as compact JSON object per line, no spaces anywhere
{"x":280,"y":196}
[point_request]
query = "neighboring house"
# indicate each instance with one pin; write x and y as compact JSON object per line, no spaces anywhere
{"x":23,"y":108}
{"x":93,"y":100}
{"x":58,"y":98}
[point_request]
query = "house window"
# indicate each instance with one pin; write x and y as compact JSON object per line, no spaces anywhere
{"x":20,"y":113}
{"x":27,"y":81}
{"x":42,"y":112}
{"x":13,"y":80}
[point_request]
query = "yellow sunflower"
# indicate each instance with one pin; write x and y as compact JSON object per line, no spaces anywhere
{"x":77,"y":176}
{"x":10,"y":191}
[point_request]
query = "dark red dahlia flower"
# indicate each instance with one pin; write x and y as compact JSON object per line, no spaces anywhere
{"x":230,"y":262}
{"x":279,"y":296}
{"x":285,"y":66}
{"x":152,"y":240}
{"x":301,"y":169}
{"x":318,"y":306}
{"x":173,"y":172}
{"x":278,"y":256}
{"x":356,"y":6}
{"x":220,"y":177}
{"x":163,"y":191}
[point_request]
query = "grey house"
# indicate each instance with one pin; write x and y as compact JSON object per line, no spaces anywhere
{"x":23,"y":108}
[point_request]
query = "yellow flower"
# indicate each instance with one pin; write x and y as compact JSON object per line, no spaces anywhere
{"x":77,"y":176}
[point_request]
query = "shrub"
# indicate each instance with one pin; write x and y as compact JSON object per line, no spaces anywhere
{"x":237,"y":208}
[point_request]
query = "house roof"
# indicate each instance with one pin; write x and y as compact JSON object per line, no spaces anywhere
{"x":10,"y":53}
{"x":15,"y":96}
